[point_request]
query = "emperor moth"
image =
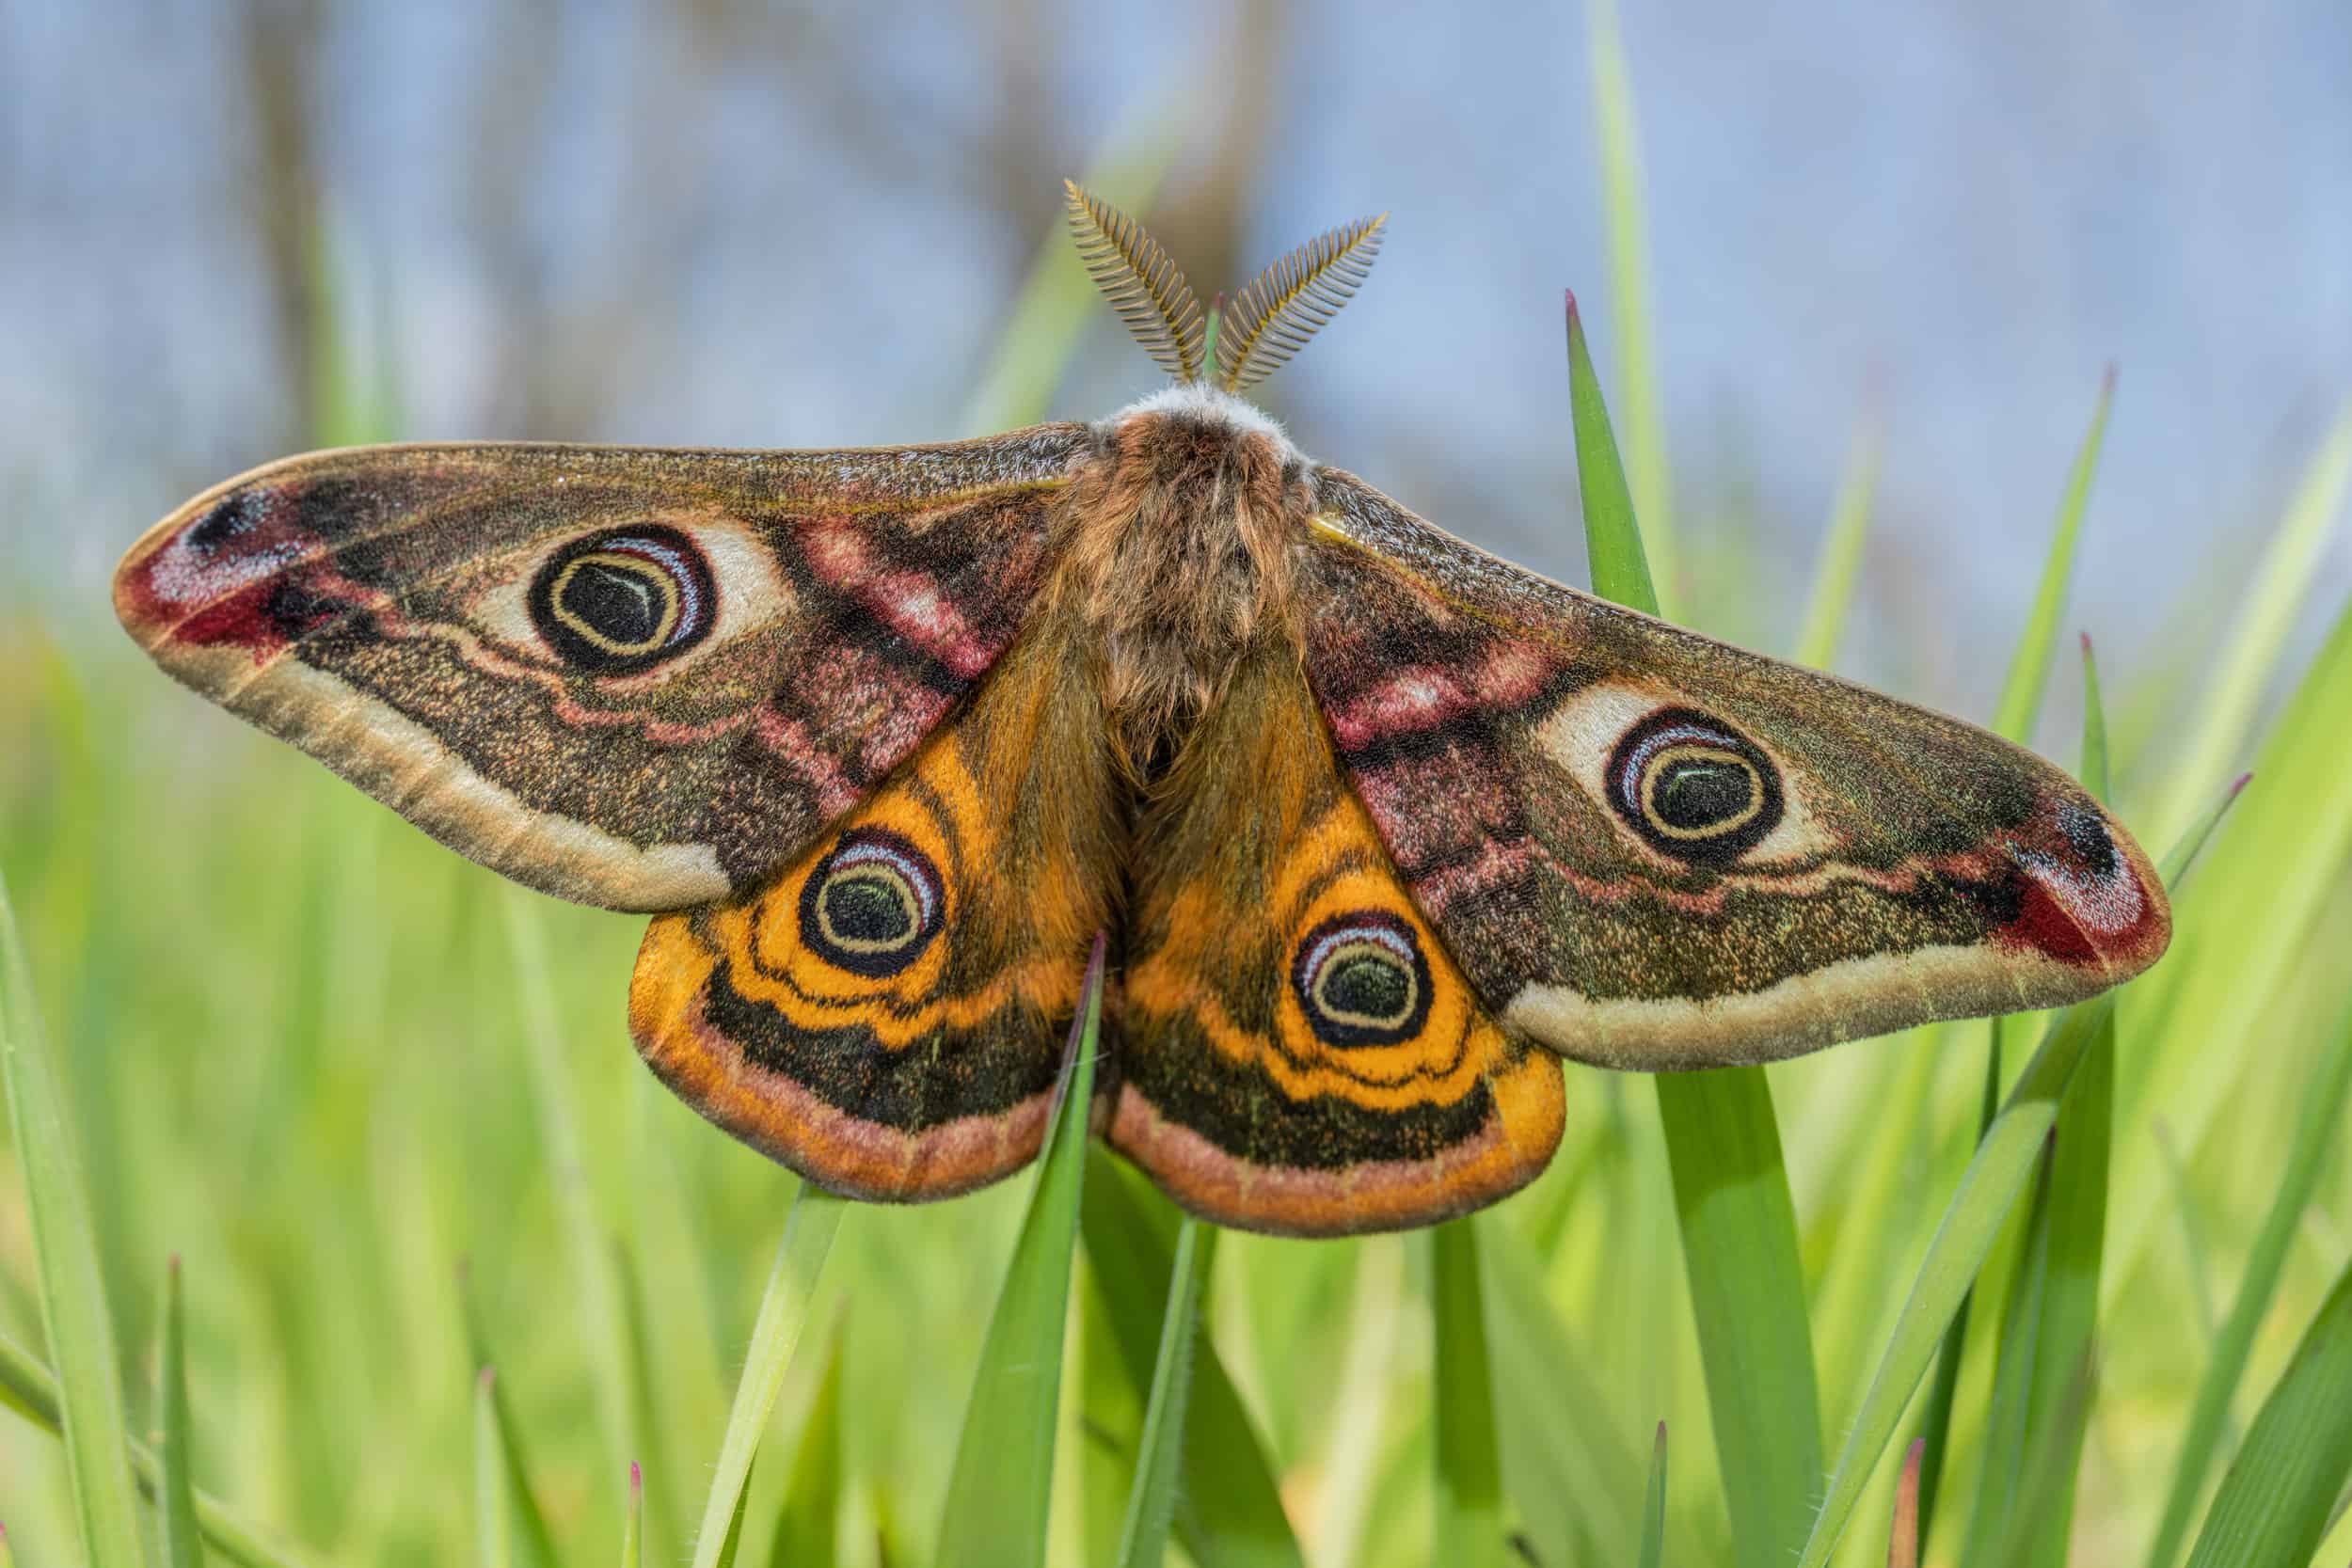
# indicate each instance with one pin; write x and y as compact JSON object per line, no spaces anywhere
{"x":1380,"y":826}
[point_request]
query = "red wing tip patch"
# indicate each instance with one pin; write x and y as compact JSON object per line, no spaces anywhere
{"x":1510,"y":1150}
{"x":838,"y":1151}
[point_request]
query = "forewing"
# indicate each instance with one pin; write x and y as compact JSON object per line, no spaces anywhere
{"x":1298,"y":1053}
{"x":637,"y":678}
{"x":1652,"y":850}
{"x":886,"y":1017}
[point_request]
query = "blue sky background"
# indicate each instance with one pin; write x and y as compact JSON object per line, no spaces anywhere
{"x":722,"y":225}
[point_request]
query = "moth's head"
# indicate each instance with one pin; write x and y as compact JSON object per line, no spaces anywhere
{"x":1230,"y":348}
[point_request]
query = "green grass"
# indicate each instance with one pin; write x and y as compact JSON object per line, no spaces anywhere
{"x":258,"y":1024}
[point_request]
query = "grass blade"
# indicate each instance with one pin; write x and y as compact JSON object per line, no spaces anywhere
{"x":1903,"y":1534}
{"x":1151,"y":1504}
{"x":2277,"y":866}
{"x":1466,"y":1504}
{"x":633,"y":1521}
{"x":493,"y":1506}
{"x":2005,"y":1157}
{"x":2275,"y":1502}
{"x":1619,"y":146}
{"x":1564,"y":1466}
{"x":806,"y":1530}
{"x":2316,"y":1135}
{"x":593,"y":1267}
{"x":30,"y":1389}
{"x":1613,"y":551}
{"x":65,"y":1252}
{"x":783,"y":1306}
{"x":176,"y":1486}
{"x":1731,"y":1187}
{"x":2046,"y":1353}
{"x":2267,"y":616}
{"x":539,"y":1543}
{"x":1000,"y":1488}
{"x":1840,"y":567}
{"x":2028,"y":676}
{"x":734,"y":1542}
{"x":1229,"y":1510}
{"x":1654,"y":1504}
{"x":1935,"y":1422}
{"x":2014,"y":714}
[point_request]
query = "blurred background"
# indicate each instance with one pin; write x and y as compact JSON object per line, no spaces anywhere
{"x":324,"y":1060}
{"x":723,"y":224}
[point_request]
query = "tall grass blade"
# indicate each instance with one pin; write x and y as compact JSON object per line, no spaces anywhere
{"x":1613,"y":539}
{"x":2028,"y":676}
{"x":2283,"y":577}
{"x":493,"y":1507}
{"x":2003,"y":1159}
{"x":807,"y":1526}
{"x":2277,"y":866}
{"x":2317,"y":1134}
{"x":2276,"y":1501}
{"x":1654,"y":1505}
{"x":1466,"y":1504}
{"x":596,"y":1287}
{"x":2053,"y":1304}
{"x":1731,"y":1188}
{"x":1001,"y":1485}
{"x":1935,"y":1420}
{"x":1838,"y":568}
{"x":30,"y":1389}
{"x":1565,"y":1467}
{"x":1229,"y":1509}
{"x":65,"y":1254}
{"x":784,"y":1307}
{"x":1057,"y":300}
{"x":1618,"y":143}
{"x":182,"y":1545}
{"x":733,"y":1543}
{"x":2014,"y":714}
{"x":1151,"y":1503}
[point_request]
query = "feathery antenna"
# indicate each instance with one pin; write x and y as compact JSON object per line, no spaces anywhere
{"x":1139,"y":281}
{"x":1282,"y":306}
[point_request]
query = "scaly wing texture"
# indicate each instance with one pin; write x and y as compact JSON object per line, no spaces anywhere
{"x":886,"y":1018}
{"x":637,"y":678}
{"x":1652,"y":850}
{"x":1297,"y":1052}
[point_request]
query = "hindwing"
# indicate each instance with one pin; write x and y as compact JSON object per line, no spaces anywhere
{"x":886,"y":1016}
{"x":1297,"y":1050}
{"x":637,"y":678}
{"x":1652,"y":850}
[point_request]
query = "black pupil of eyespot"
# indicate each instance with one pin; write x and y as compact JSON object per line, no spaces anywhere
{"x":621,"y":603}
{"x":1695,"y":794}
{"x":1368,"y":988}
{"x":867,"y":909}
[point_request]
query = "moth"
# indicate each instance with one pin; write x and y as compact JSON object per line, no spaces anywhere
{"x":1380,"y":827}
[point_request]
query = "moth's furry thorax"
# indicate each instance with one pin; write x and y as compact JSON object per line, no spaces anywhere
{"x":1178,"y":526}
